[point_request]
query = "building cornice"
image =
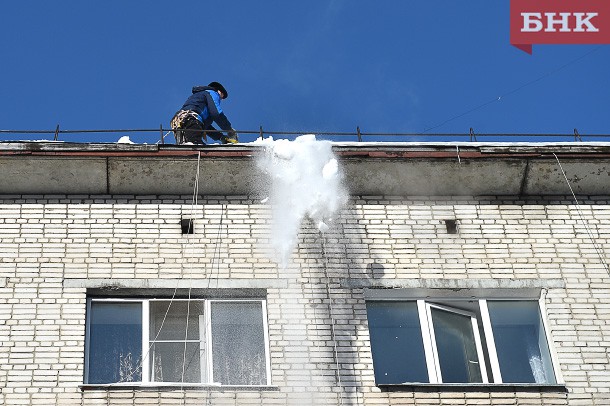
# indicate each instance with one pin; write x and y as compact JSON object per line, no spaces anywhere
{"x":395,"y":169}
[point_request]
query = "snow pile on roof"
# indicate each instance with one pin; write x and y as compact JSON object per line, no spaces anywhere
{"x":124,"y":140}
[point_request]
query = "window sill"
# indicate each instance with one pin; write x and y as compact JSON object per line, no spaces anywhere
{"x":165,"y":387}
{"x":473,"y":387}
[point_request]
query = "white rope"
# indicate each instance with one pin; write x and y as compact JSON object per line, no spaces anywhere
{"x":215,"y":256}
{"x":152,"y":343}
{"x":215,"y":277}
{"x":598,"y":249}
{"x":139,"y":367}
{"x":166,"y":134}
{"x":332,"y":320}
{"x":188,"y":302}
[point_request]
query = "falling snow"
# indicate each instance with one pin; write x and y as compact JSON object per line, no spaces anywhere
{"x":306,"y":182}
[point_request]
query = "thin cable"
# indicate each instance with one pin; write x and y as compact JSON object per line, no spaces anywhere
{"x":315,"y":317}
{"x":152,"y":343}
{"x":332,"y":319}
{"x":186,"y":331}
{"x":499,"y":98}
{"x":166,"y":134}
{"x":215,"y":277}
{"x":216,"y":255}
{"x":598,"y":250}
{"x":552,"y":72}
{"x":462,"y":114}
{"x":188,"y":302}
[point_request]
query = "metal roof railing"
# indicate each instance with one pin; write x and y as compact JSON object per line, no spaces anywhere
{"x":160,"y":134}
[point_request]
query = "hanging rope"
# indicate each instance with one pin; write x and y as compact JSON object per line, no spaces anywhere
{"x":194,"y":202}
{"x":332,"y":319}
{"x":173,"y":297}
{"x":165,"y":135}
{"x":598,"y":249}
{"x":216,"y":254}
{"x":188,"y":302}
{"x":215,"y":258}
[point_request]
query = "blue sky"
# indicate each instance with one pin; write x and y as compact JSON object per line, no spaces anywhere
{"x":305,"y":66}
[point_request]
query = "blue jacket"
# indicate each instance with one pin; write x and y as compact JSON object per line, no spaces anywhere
{"x":205,"y":101}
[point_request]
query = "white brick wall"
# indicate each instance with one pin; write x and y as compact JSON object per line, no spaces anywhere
{"x":50,"y":243}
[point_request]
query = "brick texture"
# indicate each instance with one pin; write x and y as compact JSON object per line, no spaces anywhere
{"x":317,"y":321}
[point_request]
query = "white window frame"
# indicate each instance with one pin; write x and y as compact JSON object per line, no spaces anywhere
{"x":438,"y":378}
{"x":145,"y":342}
{"x":205,"y":323}
{"x":208,"y":329}
{"x":424,"y":307}
{"x":491,"y":343}
{"x":88,"y":331}
{"x":549,"y":339}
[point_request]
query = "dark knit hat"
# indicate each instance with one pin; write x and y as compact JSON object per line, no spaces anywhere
{"x":218,"y":87}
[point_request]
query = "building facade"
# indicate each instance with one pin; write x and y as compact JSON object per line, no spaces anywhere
{"x":475,"y":274}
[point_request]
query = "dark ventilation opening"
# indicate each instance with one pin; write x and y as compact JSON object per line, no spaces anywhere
{"x":187,"y":226}
{"x":451,"y":226}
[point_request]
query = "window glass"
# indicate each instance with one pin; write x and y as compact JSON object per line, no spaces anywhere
{"x":115,"y":342}
{"x":456,"y":347}
{"x":238,"y":343}
{"x":176,"y":355}
{"x":171,"y":325}
{"x":396,"y":342}
{"x":521,"y":346}
{"x":173,"y":359}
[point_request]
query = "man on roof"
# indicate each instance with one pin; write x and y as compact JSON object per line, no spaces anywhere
{"x":193,"y":122}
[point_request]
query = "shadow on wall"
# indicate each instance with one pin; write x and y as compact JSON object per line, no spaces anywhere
{"x":339,"y":310}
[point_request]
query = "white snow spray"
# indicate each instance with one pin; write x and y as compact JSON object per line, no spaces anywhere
{"x":305,"y":180}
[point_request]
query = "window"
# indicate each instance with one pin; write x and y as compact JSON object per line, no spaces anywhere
{"x":179,"y":341}
{"x":459,"y":341}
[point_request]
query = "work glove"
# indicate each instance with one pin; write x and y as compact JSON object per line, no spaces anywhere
{"x":230,"y":138}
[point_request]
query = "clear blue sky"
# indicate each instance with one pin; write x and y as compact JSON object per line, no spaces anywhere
{"x":386,"y":66}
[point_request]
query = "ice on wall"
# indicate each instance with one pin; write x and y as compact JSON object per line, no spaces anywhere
{"x":305,"y":181}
